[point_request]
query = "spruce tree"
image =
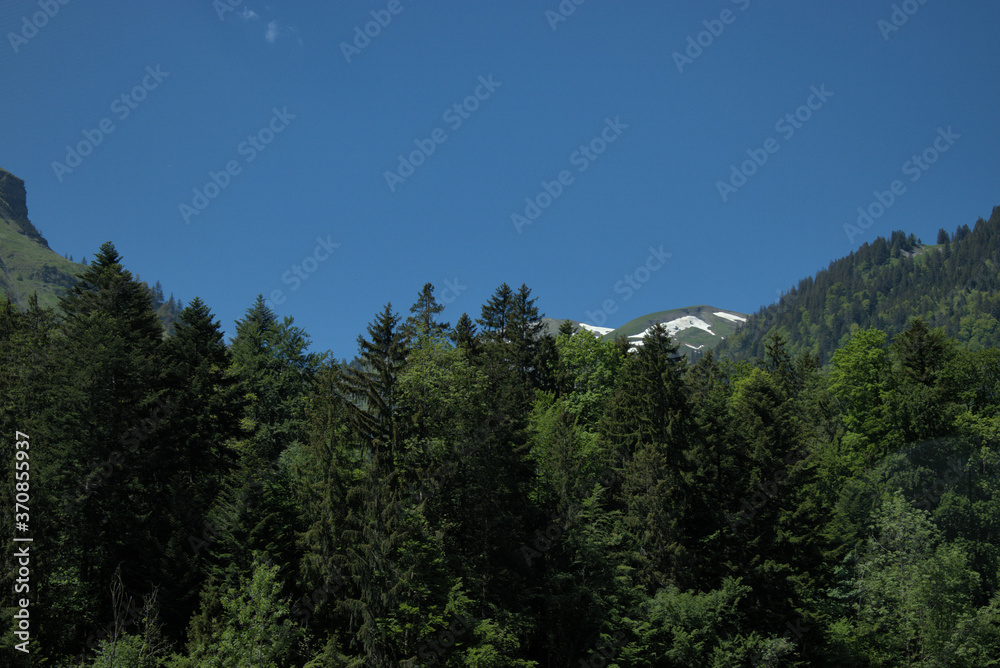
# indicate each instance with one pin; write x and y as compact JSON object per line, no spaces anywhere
{"x":372,"y":389}
{"x":421,"y":327}
{"x":202,"y":410}
{"x":464,"y":333}
{"x":649,"y":424}
{"x":107,"y":417}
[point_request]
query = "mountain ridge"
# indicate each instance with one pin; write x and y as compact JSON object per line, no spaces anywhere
{"x":695,"y":328}
{"x":29,"y":266}
{"x":14,"y":206}
{"x":953,"y":285}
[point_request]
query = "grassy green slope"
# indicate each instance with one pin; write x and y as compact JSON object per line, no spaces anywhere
{"x":27,"y":264}
{"x":27,"y":267}
{"x":692,"y":336}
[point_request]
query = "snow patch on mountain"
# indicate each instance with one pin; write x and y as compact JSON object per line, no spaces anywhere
{"x":675,"y":326}
{"x":729,"y":316}
{"x":600,"y":331}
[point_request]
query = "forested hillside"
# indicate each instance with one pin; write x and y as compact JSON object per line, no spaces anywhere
{"x":29,"y":268}
{"x":954,"y":285}
{"x":486,"y":495}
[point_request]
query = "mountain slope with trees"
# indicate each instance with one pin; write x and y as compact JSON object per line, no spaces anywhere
{"x":954,"y":285}
{"x":30,"y":268}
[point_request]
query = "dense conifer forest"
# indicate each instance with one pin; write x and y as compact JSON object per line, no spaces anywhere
{"x":954,"y":285}
{"x":485,"y":495}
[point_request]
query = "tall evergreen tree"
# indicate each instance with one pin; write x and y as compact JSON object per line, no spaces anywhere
{"x":496,"y":315}
{"x":201,"y":408}
{"x":372,"y":389}
{"x":464,"y":334}
{"x":422,"y":327}
{"x":649,"y":423}
{"x":272,"y":370}
{"x":107,"y":416}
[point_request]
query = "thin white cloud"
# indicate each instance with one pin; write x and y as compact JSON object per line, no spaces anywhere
{"x":248,"y":14}
{"x":272,"y":32}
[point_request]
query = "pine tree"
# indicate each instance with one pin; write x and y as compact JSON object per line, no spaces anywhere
{"x":107,"y":417}
{"x":202,"y":410}
{"x":421,"y":327}
{"x":648,"y":423}
{"x":464,"y":334}
{"x":923,"y":405}
{"x":404,"y":592}
{"x":254,"y":509}
{"x":511,"y":324}
{"x":372,"y":389}
{"x":496,"y":313}
{"x":272,"y":370}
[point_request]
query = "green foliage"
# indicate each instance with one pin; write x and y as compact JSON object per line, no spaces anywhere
{"x":501,"y":497}
{"x":250,"y":627}
{"x":955,"y":286}
{"x":702,"y":629}
{"x":422,"y":327}
{"x":915,"y":593}
{"x":372,"y":389}
{"x":587,"y":367}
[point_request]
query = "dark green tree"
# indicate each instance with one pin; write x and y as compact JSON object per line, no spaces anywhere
{"x":421,"y":327}
{"x":648,"y":422}
{"x":372,"y":389}
{"x":202,"y":410}
{"x":108,"y":416}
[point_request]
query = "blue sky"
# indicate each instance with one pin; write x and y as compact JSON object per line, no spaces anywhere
{"x":633,"y":114}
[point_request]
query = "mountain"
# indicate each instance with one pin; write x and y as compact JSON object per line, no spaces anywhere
{"x":27,"y":264}
{"x":954,"y":285}
{"x":695,"y":328}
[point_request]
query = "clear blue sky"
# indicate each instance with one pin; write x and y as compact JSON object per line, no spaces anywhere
{"x":677,"y":128}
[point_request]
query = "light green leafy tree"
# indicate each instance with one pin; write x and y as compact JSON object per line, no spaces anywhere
{"x":252,"y":628}
{"x":915,"y":596}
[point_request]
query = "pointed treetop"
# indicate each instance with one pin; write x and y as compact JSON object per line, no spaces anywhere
{"x":464,"y":334}
{"x":107,"y":256}
{"x":259,"y":316}
{"x":496,"y":313}
{"x":422,"y":325}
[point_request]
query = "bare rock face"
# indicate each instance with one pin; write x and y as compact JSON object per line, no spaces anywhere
{"x":14,"y":206}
